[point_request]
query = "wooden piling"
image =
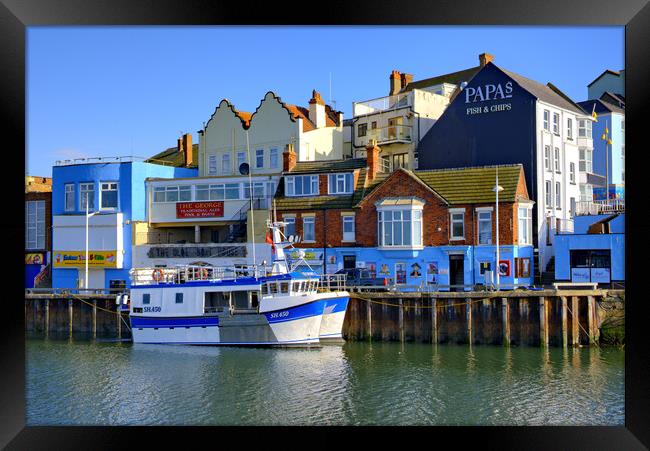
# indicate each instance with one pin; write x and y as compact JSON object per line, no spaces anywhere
{"x":119,"y":323}
{"x":384,"y":328}
{"x":70,"y":318}
{"x":575,"y":324}
{"x":369,"y":315}
{"x":564,"y":322}
{"x":401,"y":320}
{"x":47,"y":318}
{"x":543,"y":322}
{"x":434,"y":321}
{"x":505,"y":321}
{"x":591,"y":319}
{"x":94,"y":318}
{"x":468,"y":311}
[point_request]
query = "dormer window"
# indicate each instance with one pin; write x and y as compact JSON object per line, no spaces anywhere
{"x":340,"y":183}
{"x":301,"y":185}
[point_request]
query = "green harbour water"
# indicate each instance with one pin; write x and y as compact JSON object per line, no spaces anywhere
{"x":81,"y":382}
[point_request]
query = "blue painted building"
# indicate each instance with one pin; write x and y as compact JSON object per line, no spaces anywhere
{"x":608,"y":160}
{"x":594,"y":252}
{"x":114,"y":192}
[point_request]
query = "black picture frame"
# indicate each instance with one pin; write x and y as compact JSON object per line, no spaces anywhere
{"x":16,"y":15}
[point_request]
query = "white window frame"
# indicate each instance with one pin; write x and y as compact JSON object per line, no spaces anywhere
{"x":556,"y":123}
{"x":548,"y":193}
{"x":415,"y":228}
{"x":547,"y":158}
{"x":557,"y":160}
{"x":333,"y":181}
{"x":572,"y":173}
{"x":274,"y":158}
{"x":35,"y":210}
{"x":212,"y":165}
{"x":348,"y":236}
{"x":68,"y":204}
{"x":546,"y":120}
{"x":569,"y":128}
{"x":226,"y":165}
{"x":312,"y":221}
{"x":83,"y":189}
{"x":484,"y":220}
{"x":584,"y":128}
{"x":289,"y":220}
{"x":101,"y":195}
{"x":241,"y":158}
{"x":528,"y":218}
{"x":290,"y":185}
{"x":558,"y":195}
{"x":454,"y":212}
{"x":259,"y":156}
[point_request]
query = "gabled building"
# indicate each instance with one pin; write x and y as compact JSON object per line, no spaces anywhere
{"x":609,"y":81}
{"x":500,"y":117}
{"x":411,"y":227}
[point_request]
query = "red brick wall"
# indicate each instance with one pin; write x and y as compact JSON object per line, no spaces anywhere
{"x":328,"y":225}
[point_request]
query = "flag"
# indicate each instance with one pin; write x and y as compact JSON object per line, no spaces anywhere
{"x":269,"y":239}
{"x":593,"y":113}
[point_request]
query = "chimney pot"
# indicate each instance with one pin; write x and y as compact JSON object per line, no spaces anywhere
{"x":187,"y":148}
{"x":288,"y":158}
{"x":405,"y":79}
{"x":395,"y":82}
{"x":372,"y":158}
{"x":485,"y":58}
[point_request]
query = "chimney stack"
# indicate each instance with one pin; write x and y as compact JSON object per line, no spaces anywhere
{"x":185,"y":146}
{"x":317,"y":109}
{"x":405,"y":79}
{"x":288,"y":158}
{"x":395,"y":82}
{"x":372,"y":157}
{"x":485,"y":58}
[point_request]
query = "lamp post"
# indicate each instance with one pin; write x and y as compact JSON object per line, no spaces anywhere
{"x":87,"y":217}
{"x":496,"y":189}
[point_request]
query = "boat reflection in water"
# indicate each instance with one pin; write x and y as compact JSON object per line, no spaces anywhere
{"x":237,"y":306}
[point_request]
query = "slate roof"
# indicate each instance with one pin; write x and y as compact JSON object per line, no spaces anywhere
{"x":474,"y":184}
{"x":602,"y":107}
{"x":607,"y":71}
{"x":455,"y":78}
{"x":319,"y":167}
{"x":173,"y":157}
{"x":546,"y":93}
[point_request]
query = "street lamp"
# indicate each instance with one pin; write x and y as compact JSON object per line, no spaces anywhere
{"x":496,"y":189}
{"x":87,"y":217}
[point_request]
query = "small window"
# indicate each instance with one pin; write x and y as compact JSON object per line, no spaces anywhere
{"x":569,"y":129}
{"x":373,"y":125}
{"x":547,"y":114}
{"x":232,"y":191}
{"x":212,"y":165}
{"x":549,"y":194}
{"x":457,"y":226}
{"x":179,"y":298}
{"x":340,"y":183}
{"x":348,"y":228}
{"x":202,"y":192}
{"x":290,"y":227}
{"x":87,"y":194}
{"x":108,"y":195}
{"x":558,"y":195}
{"x":362,"y":129}
{"x":572,"y":173}
{"x":259,"y":158}
{"x":547,"y":158}
{"x":557,"y":160}
{"x":556,"y":123}
{"x":69,"y":197}
{"x":308,"y":228}
{"x":146,"y":299}
{"x":484,"y":227}
{"x":274,"y":159}
{"x":265,"y":289}
{"x":296,"y":287}
{"x":273,"y":288}
{"x":185,"y":193}
{"x":225,"y":164}
{"x":159,"y":194}
{"x":241,"y":159}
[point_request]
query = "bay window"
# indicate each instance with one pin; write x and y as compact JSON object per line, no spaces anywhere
{"x":400,"y":227}
{"x":584,"y":128}
{"x":340,"y":183}
{"x":585,"y":163}
{"x":232,"y":191}
{"x":301,"y":185}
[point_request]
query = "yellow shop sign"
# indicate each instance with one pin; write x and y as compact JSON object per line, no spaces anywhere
{"x":77,"y":259}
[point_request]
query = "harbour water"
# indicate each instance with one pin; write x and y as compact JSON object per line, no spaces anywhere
{"x":81,"y":382}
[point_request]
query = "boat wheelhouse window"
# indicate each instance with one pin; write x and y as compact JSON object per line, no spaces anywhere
{"x":240,"y":299}
{"x":273,"y":288}
{"x":146,"y":299}
{"x":179,"y":298}
{"x":265,"y":289}
{"x":284,"y":287}
{"x":296,"y":287}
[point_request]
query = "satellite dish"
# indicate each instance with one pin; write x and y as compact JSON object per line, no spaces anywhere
{"x":244,"y":169}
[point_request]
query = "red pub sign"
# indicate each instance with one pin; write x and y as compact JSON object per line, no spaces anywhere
{"x":199,"y":209}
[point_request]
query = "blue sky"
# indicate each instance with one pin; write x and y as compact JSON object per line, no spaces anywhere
{"x":115,"y":91}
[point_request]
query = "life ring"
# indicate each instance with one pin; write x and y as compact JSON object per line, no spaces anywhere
{"x":157,"y":275}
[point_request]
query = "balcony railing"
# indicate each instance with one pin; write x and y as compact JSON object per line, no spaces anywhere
{"x":382,"y":104}
{"x":124,"y":159}
{"x":600,"y":207}
{"x":388,"y":134}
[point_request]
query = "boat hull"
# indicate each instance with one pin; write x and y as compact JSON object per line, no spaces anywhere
{"x":331,"y":329}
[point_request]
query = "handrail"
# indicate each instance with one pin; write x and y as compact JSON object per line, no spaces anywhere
{"x":118,"y":159}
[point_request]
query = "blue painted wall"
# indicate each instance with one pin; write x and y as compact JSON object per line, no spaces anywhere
{"x":132,"y":203}
{"x":565,"y":243}
{"x":581,"y":223}
{"x":473,"y":256}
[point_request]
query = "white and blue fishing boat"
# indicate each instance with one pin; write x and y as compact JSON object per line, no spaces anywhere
{"x":239,"y":306}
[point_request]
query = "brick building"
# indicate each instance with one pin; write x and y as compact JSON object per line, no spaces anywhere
{"x":38,"y":231}
{"x":413,"y":227}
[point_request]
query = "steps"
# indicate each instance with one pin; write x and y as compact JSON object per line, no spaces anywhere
{"x":548,"y":276}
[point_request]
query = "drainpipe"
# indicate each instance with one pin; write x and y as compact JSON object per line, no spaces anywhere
{"x":324,"y":241}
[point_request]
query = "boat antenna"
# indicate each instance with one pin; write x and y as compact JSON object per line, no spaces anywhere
{"x":250,"y":186}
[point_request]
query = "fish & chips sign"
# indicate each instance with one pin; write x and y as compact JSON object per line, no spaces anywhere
{"x":485,"y":93}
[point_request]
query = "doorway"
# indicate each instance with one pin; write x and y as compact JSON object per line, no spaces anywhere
{"x":456,"y":271}
{"x":349,"y":261}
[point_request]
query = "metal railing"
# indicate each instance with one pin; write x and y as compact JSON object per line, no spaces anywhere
{"x":382,"y":104}
{"x":194,"y":273}
{"x":389,"y":133}
{"x":332,"y":282}
{"x":599,"y":207}
{"x":124,"y":159}
{"x":196,"y":250}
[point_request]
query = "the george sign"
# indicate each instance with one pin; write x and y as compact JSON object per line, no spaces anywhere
{"x":77,"y":259}
{"x":35,"y":259}
{"x":212,"y":209}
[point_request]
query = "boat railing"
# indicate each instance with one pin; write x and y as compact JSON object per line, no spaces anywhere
{"x":194,"y":273}
{"x":332,"y":282}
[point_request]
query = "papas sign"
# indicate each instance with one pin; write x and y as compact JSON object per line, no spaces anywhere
{"x":488,"y":92}
{"x":199,"y":209}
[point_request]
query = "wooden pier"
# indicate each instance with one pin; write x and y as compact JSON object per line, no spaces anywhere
{"x":557,"y":317}
{"x":517,"y":317}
